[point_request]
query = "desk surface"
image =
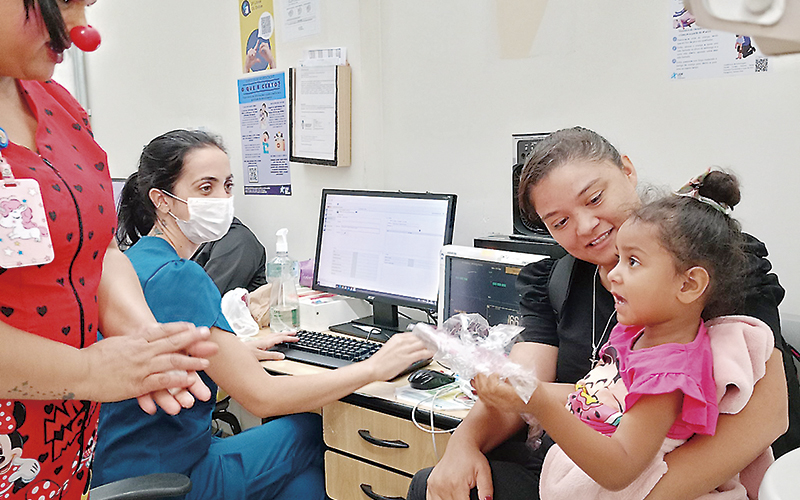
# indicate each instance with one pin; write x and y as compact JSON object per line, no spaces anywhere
{"x":378,"y":396}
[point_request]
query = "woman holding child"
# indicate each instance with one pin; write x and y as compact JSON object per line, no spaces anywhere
{"x":584,"y":190}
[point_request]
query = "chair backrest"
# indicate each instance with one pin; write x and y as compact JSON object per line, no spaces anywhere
{"x":149,"y":487}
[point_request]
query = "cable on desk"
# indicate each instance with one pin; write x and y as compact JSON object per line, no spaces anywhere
{"x":431,"y":430}
{"x":431,"y":317}
{"x":373,"y":330}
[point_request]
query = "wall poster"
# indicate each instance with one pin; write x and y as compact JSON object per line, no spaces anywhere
{"x":696,"y":52}
{"x":263,"y":115}
{"x":257,"y":26}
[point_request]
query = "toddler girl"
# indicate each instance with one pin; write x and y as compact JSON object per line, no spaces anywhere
{"x":680,"y":261}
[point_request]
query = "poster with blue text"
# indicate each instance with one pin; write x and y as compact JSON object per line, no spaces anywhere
{"x":697,"y":52}
{"x":263,"y":113}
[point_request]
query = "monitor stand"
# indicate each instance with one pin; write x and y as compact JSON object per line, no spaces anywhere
{"x":354,"y":329}
{"x":383,"y":323}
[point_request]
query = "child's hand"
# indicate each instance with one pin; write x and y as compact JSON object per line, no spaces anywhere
{"x":497,"y":393}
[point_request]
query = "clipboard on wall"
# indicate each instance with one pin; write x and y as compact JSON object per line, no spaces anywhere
{"x":319,"y":116}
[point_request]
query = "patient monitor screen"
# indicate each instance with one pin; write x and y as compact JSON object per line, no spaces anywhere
{"x":484,"y":287}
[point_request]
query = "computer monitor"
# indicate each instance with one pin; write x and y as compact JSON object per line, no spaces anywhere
{"x":116,"y":188}
{"x":383,"y":247}
{"x":481,"y":280}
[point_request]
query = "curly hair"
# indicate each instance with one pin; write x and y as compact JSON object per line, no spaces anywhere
{"x":697,"y":233}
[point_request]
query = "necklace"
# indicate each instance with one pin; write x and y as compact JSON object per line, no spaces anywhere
{"x":596,"y":343}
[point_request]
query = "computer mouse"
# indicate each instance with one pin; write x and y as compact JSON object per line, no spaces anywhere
{"x":428,"y":379}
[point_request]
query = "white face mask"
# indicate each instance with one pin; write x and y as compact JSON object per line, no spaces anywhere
{"x":209,"y":218}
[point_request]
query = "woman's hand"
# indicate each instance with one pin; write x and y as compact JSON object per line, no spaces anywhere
{"x":498,"y":394}
{"x":265,"y":52}
{"x":397,"y":354}
{"x":250,"y":59}
{"x":461,"y":468}
{"x":260,"y":52}
{"x":260,"y":345}
{"x":149,"y":365}
{"x":174,"y":398}
{"x":167,"y":398}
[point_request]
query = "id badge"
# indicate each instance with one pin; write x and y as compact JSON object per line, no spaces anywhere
{"x":24,"y":234}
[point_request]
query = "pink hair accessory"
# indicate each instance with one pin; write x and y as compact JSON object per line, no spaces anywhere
{"x":692,"y":190}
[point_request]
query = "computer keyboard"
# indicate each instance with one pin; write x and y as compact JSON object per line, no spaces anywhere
{"x":333,"y":351}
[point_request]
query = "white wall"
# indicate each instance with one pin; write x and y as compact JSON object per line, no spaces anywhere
{"x":435,"y":104}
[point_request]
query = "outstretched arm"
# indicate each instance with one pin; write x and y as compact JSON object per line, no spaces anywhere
{"x":614,"y":462}
{"x":236,"y":370}
{"x":118,"y":368}
{"x":110,"y":370}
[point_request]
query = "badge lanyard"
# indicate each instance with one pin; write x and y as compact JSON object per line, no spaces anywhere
{"x":24,"y":233}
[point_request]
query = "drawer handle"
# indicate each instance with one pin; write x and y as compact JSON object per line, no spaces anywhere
{"x":385,"y":443}
{"x":367,"y":489}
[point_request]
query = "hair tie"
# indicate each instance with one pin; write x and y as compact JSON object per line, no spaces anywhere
{"x":692,"y":190}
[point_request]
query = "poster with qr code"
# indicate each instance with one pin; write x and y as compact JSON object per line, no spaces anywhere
{"x":263,"y":116}
{"x":257,"y":27}
{"x":696,"y":52}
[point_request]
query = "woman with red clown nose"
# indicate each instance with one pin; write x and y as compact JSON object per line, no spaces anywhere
{"x":65,"y":280}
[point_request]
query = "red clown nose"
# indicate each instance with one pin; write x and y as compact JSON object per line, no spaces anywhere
{"x":85,"y":38}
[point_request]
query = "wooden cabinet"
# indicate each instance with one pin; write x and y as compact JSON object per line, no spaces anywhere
{"x":374,"y":450}
{"x":350,"y":479}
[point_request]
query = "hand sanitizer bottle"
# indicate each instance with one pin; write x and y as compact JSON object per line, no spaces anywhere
{"x":284,"y":307}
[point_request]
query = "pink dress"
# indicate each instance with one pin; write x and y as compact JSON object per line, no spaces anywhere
{"x":623,"y":375}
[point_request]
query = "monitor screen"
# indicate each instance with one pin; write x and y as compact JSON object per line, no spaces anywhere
{"x":483,"y":281}
{"x":383,"y":247}
{"x":116,"y":188}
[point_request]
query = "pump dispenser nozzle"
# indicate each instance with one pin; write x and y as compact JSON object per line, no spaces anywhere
{"x":281,"y":244}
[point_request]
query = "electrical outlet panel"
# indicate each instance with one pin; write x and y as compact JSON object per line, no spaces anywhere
{"x":524,"y":144}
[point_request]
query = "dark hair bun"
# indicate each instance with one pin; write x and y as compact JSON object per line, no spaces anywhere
{"x":721,"y":187}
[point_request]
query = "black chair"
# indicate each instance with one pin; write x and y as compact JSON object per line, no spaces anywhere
{"x":790,"y":329}
{"x":222,"y":414}
{"x":162,"y":485}
{"x":149,"y":487}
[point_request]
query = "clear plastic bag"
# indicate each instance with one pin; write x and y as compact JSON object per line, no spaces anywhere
{"x":468,"y":345}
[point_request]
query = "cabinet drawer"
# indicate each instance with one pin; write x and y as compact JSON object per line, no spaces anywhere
{"x":345,"y":476}
{"x":360,"y":432}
